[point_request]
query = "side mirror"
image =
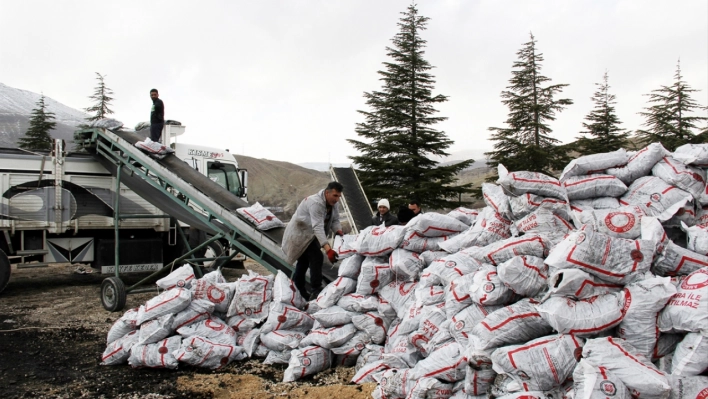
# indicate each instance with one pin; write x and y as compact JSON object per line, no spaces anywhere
{"x":243,"y":176}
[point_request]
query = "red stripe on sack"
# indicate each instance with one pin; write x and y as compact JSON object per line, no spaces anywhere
{"x":577,"y":262}
{"x":687,"y":259}
{"x":600,"y":328}
{"x":444,"y":369}
{"x":565,"y":222}
{"x":509,"y":320}
{"x":608,"y":246}
{"x":589,"y":180}
{"x":637,"y":154}
{"x":393,"y":332}
{"x":432,"y":293}
{"x":179,"y":291}
{"x":454,"y":293}
{"x":551,"y":365}
{"x":535,"y":181}
{"x":440,"y":229}
{"x":376,"y":253}
{"x":496,"y":208}
{"x":144,"y":147}
{"x":258,"y":221}
{"x":575,"y":341}
{"x":636,"y":190}
{"x":523,"y":348}
{"x":370,"y":372}
{"x":193,"y":319}
{"x":415,"y":234}
{"x":511,"y":244}
{"x":594,"y":284}
{"x":684,"y":172}
{"x":627,"y":354}
{"x":668,"y":189}
{"x":551,"y":200}
{"x":532,"y":267}
{"x":474,"y":383}
{"x":120,"y":348}
{"x":603,"y":372}
{"x":482,"y":299}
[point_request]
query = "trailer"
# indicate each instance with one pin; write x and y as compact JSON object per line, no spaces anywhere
{"x":60,"y":206}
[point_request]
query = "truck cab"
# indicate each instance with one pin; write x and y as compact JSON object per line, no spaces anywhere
{"x":219,"y":165}
{"x":216,"y":163}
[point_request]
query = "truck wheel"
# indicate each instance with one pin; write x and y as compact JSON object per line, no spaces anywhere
{"x":113,"y":295}
{"x":213,"y":250}
{"x":4,"y":270}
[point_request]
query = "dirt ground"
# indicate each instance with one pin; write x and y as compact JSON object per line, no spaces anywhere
{"x":53,"y":332}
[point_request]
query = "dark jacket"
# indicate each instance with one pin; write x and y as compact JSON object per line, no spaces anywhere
{"x":157,"y":113}
{"x":405,"y":214}
{"x":387,"y":218}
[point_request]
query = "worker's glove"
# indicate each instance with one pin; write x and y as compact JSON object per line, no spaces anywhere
{"x":332,"y":256}
{"x":339,"y":233}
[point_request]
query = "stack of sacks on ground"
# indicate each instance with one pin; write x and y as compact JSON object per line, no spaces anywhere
{"x":593,"y":285}
{"x":578,"y":286}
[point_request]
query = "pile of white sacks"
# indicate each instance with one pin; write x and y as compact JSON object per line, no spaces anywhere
{"x":567,"y":288}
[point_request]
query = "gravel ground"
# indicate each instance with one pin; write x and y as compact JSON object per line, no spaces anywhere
{"x":53,"y":331}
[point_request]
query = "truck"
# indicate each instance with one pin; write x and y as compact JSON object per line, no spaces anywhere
{"x":58,"y":206}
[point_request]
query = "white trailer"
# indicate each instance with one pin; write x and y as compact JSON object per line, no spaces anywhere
{"x":58,"y":207}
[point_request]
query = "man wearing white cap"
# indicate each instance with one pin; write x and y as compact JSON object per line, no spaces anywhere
{"x":383,"y":216}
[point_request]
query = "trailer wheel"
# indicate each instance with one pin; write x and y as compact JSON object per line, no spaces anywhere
{"x":113,"y":295}
{"x":213,"y":250}
{"x":5,"y":270}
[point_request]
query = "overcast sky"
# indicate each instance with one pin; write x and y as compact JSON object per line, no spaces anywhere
{"x":283,"y":80}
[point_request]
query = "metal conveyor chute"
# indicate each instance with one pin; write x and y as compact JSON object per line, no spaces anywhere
{"x":171,"y":185}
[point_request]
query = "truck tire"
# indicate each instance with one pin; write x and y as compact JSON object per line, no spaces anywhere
{"x":113,"y":295}
{"x":213,"y":250}
{"x":5,"y":270}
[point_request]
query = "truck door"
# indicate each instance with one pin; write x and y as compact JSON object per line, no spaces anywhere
{"x":226,"y":175}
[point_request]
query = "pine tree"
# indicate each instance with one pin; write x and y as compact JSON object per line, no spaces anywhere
{"x":602,"y":124}
{"x":669,"y":120}
{"x":394,"y":162}
{"x":41,"y":123}
{"x":102,"y":97}
{"x":526,"y":144}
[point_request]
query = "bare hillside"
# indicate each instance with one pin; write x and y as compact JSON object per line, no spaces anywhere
{"x":283,"y":184}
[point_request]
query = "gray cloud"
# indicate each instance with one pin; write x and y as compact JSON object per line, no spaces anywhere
{"x":283,"y":79}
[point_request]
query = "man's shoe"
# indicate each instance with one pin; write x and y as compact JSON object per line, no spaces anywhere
{"x":315,"y":293}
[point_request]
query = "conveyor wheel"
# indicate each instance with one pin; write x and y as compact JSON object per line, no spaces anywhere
{"x":213,"y":250}
{"x":113,"y":295}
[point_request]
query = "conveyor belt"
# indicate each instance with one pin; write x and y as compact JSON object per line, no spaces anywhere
{"x":355,"y":201}
{"x":171,"y":174}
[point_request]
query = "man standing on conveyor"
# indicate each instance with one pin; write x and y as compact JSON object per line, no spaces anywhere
{"x":157,"y":116}
{"x":305,"y":237}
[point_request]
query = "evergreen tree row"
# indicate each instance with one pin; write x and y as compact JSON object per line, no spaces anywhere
{"x":399,"y":138}
{"x":42,"y":122}
{"x":524,"y":144}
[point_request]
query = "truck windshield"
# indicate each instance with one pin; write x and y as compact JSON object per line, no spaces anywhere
{"x":225,"y":175}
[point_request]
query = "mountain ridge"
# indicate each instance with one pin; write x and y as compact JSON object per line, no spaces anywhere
{"x":16,"y":107}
